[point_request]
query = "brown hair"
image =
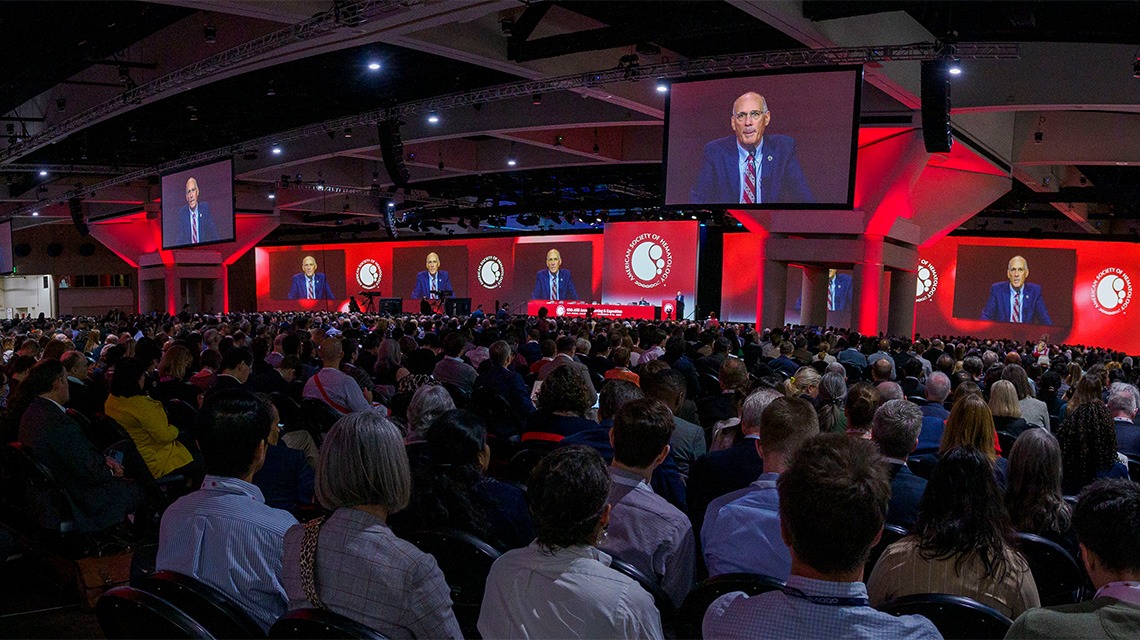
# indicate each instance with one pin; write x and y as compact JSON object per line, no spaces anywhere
{"x":970,"y":423}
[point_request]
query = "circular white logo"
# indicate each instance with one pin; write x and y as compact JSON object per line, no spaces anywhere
{"x":648,"y":260}
{"x":1111,"y":291}
{"x":927,"y":281}
{"x":560,"y":311}
{"x":369,"y":274}
{"x":490,"y":272}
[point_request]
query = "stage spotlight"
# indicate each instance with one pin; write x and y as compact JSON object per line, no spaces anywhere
{"x":536,"y":99}
{"x":43,"y":173}
{"x":373,"y":66}
{"x":955,"y":68}
{"x":662,"y":86}
{"x":348,"y":132}
{"x":272,"y":194}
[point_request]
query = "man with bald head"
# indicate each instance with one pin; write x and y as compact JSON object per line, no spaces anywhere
{"x":332,"y":386}
{"x":432,"y":280}
{"x":1016,"y":301}
{"x":554,"y":282}
{"x":750,"y":166}
{"x":195,"y":224}
{"x":309,"y":284}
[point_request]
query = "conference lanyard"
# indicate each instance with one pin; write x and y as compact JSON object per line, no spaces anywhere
{"x":827,"y":601}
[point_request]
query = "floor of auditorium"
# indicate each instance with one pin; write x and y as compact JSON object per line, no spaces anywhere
{"x":32,"y":608}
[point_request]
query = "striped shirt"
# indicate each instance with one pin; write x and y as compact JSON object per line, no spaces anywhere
{"x":225,"y":535}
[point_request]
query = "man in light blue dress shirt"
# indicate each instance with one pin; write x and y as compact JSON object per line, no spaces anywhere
{"x":833,"y":502}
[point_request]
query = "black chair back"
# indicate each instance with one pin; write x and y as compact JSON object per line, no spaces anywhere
{"x":522,"y":463}
{"x":955,"y":616}
{"x":44,"y":502}
{"x":500,"y":417}
{"x":212,"y":609}
{"x":465,"y":562}
{"x":300,"y":624}
{"x":692,"y":611}
{"x":1059,"y":578}
{"x":661,"y":599}
{"x":181,"y":414}
{"x":1134,"y":468}
{"x":316,"y":417}
{"x":855,"y":373}
{"x":458,"y":395}
{"x":710,"y":385}
{"x":127,"y":613}
{"x":1006,"y":440}
{"x":287,"y":408}
{"x":892,"y":533}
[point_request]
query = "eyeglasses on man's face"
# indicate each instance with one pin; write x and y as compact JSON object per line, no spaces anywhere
{"x":741,"y":116}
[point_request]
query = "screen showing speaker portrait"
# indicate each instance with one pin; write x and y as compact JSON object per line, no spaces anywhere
{"x":6,"y":263}
{"x":1015,"y":284}
{"x":781,"y":140}
{"x":556,"y":268}
{"x":198,"y":206}
{"x":307,"y":275}
{"x":430,"y":273}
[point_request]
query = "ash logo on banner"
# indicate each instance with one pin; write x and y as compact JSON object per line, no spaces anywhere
{"x":648,"y":260}
{"x":927,"y":281}
{"x":560,"y":311}
{"x":1111,"y":291}
{"x":490,"y":272}
{"x":667,"y":309}
{"x":369,"y":274}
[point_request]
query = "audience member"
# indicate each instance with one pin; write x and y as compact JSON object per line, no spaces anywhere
{"x":428,"y":403}
{"x":1122,"y":404}
{"x":895,"y":429}
{"x":831,"y":402}
{"x":833,"y":484}
{"x":579,"y":594}
{"x":564,"y":404}
{"x":81,"y":395}
{"x":688,"y":440}
{"x":499,"y":379}
{"x":1005,"y":409}
{"x":1088,"y":448}
{"x":146,"y":422}
{"x":334,"y":387}
{"x":1033,"y":497}
{"x":452,"y":370}
{"x":863,"y":400}
{"x":1035,"y":413}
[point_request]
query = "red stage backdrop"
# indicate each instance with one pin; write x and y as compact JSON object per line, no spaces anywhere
{"x":650,"y":260}
{"x":740,"y":273}
{"x":1087,"y":288}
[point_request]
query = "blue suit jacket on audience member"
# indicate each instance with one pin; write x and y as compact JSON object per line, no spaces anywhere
{"x":566,"y":290}
{"x":666,"y":481}
{"x":930,"y":436}
{"x":423,"y":283}
{"x":1032,"y":312}
{"x":1127,"y":438}
{"x":320,"y":287}
{"x":715,"y":474}
{"x":906,"y":493}
{"x":781,"y":177}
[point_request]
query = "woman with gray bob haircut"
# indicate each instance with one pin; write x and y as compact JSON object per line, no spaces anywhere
{"x":428,"y":403}
{"x":351,"y":562}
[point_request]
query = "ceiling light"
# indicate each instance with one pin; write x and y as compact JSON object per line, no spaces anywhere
{"x":373,"y":66}
{"x":433,"y":117}
{"x":35,"y":213}
{"x":348,"y":132}
{"x":512,"y":161}
{"x":276,"y":150}
{"x":43,"y":173}
{"x":272,"y":194}
{"x":210,"y":33}
{"x":662,"y":86}
{"x":955,"y":68}
{"x":536,"y":98}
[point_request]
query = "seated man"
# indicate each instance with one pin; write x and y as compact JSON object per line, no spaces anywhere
{"x":833,"y":484}
{"x":500,"y":379}
{"x":1122,"y":404}
{"x":741,"y":533}
{"x":224,"y":534}
{"x":1107,"y":520}
{"x":452,"y":369}
{"x":334,"y":387}
{"x":895,"y":429}
{"x":688,"y":441}
{"x":645,"y":530}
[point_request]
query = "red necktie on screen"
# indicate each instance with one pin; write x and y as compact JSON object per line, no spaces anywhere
{"x":831,"y":295}
{"x":750,"y":179}
{"x":434,"y":288}
{"x":194,"y":227}
{"x":553,"y":287}
{"x":1016,"y":308}
{"x":312,"y":294}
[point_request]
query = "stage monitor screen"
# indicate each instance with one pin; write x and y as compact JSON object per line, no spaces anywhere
{"x":780,"y":140}
{"x":6,"y":264}
{"x":198,"y":206}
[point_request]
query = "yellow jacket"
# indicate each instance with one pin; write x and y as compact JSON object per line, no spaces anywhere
{"x":146,"y":422}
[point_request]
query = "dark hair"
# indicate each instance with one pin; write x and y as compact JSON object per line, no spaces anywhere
{"x":125,"y":382}
{"x":615,"y":395}
{"x":211,"y":359}
{"x":786,"y":424}
{"x":834,"y":483}
{"x":453,"y":344}
{"x":40,"y":379}
{"x":235,"y":357}
{"x":665,"y":385}
{"x":567,"y":494}
{"x":443,"y":493}
{"x":1107,"y":520}
{"x":231,"y":425}
{"x":962,"y":513}
{"x":565,"y":390}
{"x":1015,"y":374}
{"x":642,"y":428}
{"x":1033,"y":497}
{"x":1088,"y":444}
{"x":862,"y":402}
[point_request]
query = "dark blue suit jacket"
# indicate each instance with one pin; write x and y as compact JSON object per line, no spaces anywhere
{"x":781,"y":178}
{"x":423,"y":283}
{"x":181,"y":231}
{"x":715,"y":474}
{"x":930,"y":436}
{"x":566,"y":290}
{"x":320,"y":287}
{"x":1032,"y":312}
{"x":906,"y":493}
{"x":843,"y":288}
{"x":1127,"y":437}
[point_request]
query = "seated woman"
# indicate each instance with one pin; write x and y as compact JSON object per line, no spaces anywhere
{"x":561,"y":586}
{"x":1006,"y":410}
{"x":389,"y":368}
{"x":173,"y":370}
{"x":805,"y":384}
{"x":831,"y":403}
{"x":351,"y":563}
{"x":971,"y":424}
{"x":429,"y":402}
{"x":962,"y":544}
{"x":859,"y":409}
{"x":564,"y":402}
{"x":1034,"y":499}
{"x":449,"y":488}
{"x":146,"y":422}
{"x":1088,"y":447}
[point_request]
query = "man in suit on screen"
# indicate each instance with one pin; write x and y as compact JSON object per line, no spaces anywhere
{"x":431,"y":280}
{"x":749,"y":167}
{"x":1016,"y":301}
{"x":310,"y":285}
{"x":194,"y":223}
{"x":554,"y":282}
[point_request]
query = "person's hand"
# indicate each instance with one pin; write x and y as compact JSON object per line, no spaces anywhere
{"x":115,"y":467}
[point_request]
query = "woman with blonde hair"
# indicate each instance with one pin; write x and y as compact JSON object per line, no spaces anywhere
{"x":173,"y":371}
{"x":1005,"y":409}
{"x":804,"y":384}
